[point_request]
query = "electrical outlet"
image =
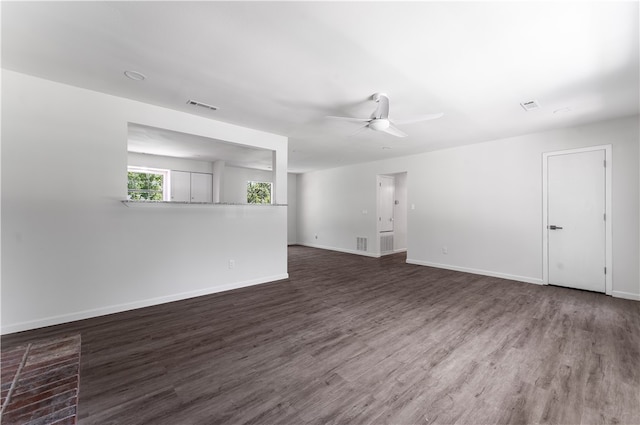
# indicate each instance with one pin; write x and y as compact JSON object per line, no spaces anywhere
{"x":232,"y":264}
{"x":445,"y":250}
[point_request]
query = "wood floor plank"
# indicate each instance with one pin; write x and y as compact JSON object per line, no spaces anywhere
{"x":357,"y":340}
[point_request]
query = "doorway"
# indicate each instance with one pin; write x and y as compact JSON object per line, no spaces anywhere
{"x":577,"y":218}
{"x":392,"y":213}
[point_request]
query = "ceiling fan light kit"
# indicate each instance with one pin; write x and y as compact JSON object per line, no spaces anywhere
{"x":379,"y":124}
{"x":380,"y":121}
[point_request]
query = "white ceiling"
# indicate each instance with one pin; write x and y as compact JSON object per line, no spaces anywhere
{"x":158,"y":141}
{"x":282,"y":67}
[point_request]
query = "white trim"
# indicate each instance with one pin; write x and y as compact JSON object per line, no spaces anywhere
{"x":148,"y":170}
{"x":524,"y":279}
{"x":395,"y":251}
{"x":118,"y":308}
{"x":608,"y":224}
{"x":625,"y":295}
{"x":379,"y":178}
{"x":346,"y":251}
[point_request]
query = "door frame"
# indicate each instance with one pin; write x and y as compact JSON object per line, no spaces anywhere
{"x":379,"y":179}
{"x":607,"y":200}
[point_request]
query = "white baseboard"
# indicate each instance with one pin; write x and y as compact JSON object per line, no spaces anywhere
{"x":478,"y":271}
{"x":395,"y":251}
{"x":347,"y":251}
{"x":102,"y":311}
{"x":625,"y":295}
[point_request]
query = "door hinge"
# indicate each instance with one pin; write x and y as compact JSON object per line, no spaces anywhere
{"x":605,"y":163}
{"x":605,"y":270}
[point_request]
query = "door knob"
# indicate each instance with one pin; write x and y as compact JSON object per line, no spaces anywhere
{"x":554,"y":227}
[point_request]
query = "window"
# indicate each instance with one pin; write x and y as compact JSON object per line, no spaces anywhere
{"x":149,"y":184}
{"x":259,"y":192}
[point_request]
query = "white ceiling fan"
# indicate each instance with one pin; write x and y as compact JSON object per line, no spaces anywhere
{"x":380,"y":121}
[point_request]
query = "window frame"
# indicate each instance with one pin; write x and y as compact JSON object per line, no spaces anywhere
{"x":166,"y":179}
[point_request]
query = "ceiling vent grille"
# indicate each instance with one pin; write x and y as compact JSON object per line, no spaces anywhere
{"x":530,"y":105}
{"x":203,"y":105}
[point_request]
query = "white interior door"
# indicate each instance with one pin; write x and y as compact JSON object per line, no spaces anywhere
{"x":201,"y":187}
{"x":576,"y":220}
{"x":180,"y":186}
{"x":386,"y":194}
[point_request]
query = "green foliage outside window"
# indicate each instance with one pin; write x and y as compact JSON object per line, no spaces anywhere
{"x":258,"y":193}
{"x":145,"y":186}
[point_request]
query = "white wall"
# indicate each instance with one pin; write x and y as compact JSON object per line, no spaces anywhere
{"x":332,"y":206}
{"x":483,"y":202}
{"x":234,"y":190}
{"x":71,"y":249}
{"x":234,"y":182}
{"x":400,"y":213}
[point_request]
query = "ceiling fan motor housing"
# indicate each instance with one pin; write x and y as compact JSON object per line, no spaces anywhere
{"x":379,"y":124}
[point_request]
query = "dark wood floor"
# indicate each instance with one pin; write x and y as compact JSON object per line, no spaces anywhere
{"x":351,"y":339}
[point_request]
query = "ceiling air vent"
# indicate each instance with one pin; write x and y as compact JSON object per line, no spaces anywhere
{"x":530,"y":105}
{"x":203,"y":105}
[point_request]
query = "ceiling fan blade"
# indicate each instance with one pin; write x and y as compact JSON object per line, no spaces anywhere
{"x":394,"y":131}
{"x":419,"y":118}
{"x":360,"y":130}
{"x":349,"y":119}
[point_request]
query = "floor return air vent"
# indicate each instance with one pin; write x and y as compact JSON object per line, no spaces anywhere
{"x":386,"y":243}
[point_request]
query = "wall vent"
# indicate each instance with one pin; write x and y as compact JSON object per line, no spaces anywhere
{"x":203,"y":105}
{"x":530,"y":105}
{"x":386,"y":243}
{"x":361,"y":244}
